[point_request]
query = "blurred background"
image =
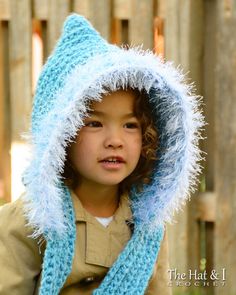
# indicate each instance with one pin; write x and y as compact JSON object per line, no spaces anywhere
{"x":200,"y":36}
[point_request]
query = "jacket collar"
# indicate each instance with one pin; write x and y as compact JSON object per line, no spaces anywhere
{"x":123,"y":212}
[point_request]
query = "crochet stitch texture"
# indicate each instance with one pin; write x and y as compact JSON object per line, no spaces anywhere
{"x":81,"y":69}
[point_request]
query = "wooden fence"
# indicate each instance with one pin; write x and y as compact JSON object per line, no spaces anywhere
{"x":199,"y":35}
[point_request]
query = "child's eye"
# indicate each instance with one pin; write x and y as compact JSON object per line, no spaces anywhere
{"x":132,"y":125}
{"x":95,"y":124}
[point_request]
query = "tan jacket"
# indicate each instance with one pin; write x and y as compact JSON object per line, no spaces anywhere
{"x":96,"y":250}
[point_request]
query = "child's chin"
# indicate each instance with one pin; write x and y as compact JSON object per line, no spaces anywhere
{"x":113,"y":182}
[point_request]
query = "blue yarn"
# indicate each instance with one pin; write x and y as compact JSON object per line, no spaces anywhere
{"x":79,"y":43}
{"x":59,"y":253}
{"x":128,"y":275}
{"x":132,"y":270}
{"x":82,"y":68}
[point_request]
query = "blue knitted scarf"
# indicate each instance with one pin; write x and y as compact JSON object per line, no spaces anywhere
{"x":81,"y":69}
{"x":128,"y":275}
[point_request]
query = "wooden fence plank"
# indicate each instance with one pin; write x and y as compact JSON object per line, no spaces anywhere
{"x":195,"y":32}
{"x":20,"y":66}
{"x":209,"y":89}
{"x":58,"y":11}
{"x":210,"y":236}
{"x":178,"y":235}
{"x":98,"y":12}
{"x":40,"y":9}
{"x":206,"y":207}
{"x":20,"y":86}
{"x":191,"y":52}
{"x":5,"y":132}
{"x":122,"y":9}
{"x":172,"y":32}
{"x":141,"y":23}
{"x":4,"y":9}
{"x":183,"y":45}
{"x":101,"y":17}
{"x":2,"y":96}
{"x":209,"y":62}
{"x":225,"y":147}
{"x":82,"y":7}
{"x":161,"y":8}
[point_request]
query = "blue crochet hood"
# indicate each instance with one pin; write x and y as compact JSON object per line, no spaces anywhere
{"x":82,"y":66}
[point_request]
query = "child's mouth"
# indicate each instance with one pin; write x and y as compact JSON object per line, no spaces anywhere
{"x":112,"y":162}
{"x":113,"y":159}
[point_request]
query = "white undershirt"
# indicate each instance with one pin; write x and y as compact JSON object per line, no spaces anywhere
{"x":104,"y":220}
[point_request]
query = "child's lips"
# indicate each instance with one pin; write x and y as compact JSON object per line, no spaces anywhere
{"x":113,"y":159}
{"x":112,"y":162}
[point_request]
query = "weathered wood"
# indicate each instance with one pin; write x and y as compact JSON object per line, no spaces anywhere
{"x":141,"y":23}
{"x":124,"y":32}
{"x":20,"y":82}
{"x":2,"y":103}
{"x":5,"y":133}
{"x":116,"y":31}
{"x":44,"y":40}
{"x":40,"y":9}
{"x":210,"y":235}
{"x":178,"y":238}
{"x":183,"y":45}
{"x":41,"y":25}
{"x":37,"y":51}
{"x":183,"y":36}
{"x":195,"y":33}
{"x":209,"y":66}
{"x":122,"y":9}
{"x":58,"y":11}
{"x":205,"y":207}
{"x":209,"y":198}
{"x":225,"y":147}
{"x":5,"y":10}
{"x":178,"y":235}
{"x":183,"y":32}
{"x":20,"y":66}
{"x":172,"y":32}
{"x":191,"y":32}
{"x":98,"y":12}
{"x":82,"y":7}
{"x":159,"y":44}
{"x":193,"y":254}
{"x":120,"y":32}
{"x":101,"y":17}
{"x":160,"y":8}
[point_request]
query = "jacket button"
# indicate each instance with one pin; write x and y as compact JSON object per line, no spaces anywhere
{"x":87,"y":281}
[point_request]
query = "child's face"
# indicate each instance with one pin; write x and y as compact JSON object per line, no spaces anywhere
{"x":108,"y":147}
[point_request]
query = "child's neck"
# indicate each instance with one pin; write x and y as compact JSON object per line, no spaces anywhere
{"x":100,"y":201}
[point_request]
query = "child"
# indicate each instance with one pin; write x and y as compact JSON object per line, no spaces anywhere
{"x":114,"y":139}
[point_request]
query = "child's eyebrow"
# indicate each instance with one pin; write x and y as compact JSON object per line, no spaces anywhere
{"x":102,"y":114}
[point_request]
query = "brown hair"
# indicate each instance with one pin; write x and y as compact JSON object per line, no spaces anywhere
{"x":142,"y":173}
{"x":144,"y":168}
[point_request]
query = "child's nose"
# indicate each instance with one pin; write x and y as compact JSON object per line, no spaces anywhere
{"x":113,"y":140}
